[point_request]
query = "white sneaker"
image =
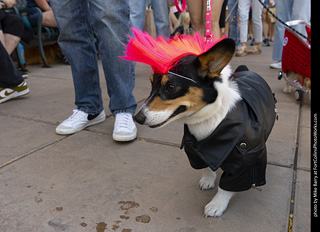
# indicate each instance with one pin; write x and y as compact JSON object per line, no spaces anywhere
{"x":124,"y":128}
{"x":78,"y":121}
{"x":277,"y":65}
{"x":9,"y":93}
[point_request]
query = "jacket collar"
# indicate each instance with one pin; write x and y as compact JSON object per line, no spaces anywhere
{"x":215,"y":148}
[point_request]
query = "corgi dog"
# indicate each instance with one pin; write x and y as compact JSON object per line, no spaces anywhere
{"x":203,"y":93}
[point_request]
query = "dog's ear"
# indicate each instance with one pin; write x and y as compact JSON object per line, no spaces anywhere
{"x":214,"y":60}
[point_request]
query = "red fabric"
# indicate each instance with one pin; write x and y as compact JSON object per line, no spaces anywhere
{"x":296,"y":55}
{"x":308,"y":29}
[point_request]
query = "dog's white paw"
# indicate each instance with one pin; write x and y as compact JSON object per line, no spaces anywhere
{"x":218,"y":204}
{"x":207,"y":180}
{"x":287,"y":88}
{"x":215,"y":208}
{"x":206,"y":183}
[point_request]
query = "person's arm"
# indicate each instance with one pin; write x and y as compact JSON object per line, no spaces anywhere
{"x":8,"y":3}
{"x":43,"y":5}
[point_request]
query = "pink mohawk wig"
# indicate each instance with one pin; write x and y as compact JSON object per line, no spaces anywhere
{"x":162,"y":54}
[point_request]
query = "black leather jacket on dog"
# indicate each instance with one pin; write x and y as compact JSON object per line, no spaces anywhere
{"x":237,"y":145}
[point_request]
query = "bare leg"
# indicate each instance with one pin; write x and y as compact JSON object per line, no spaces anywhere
{"x":265,"y":25}
{"x":195,"y":9}
{"x":216,"y":6}
{"x":9,"y":41}
{"x":48,"y":19}
{"x":2,"y":38}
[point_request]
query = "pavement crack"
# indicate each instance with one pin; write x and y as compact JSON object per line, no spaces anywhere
{"x":29,"y":119}
{"x":295,"y":169}
{"x":31,"y":152}
{"x":158,"y":142}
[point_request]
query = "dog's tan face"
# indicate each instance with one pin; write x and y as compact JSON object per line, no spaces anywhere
{"x":187,"y":88}
{"x":171,"y":98}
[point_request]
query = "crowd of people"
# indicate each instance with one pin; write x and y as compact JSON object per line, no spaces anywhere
{"x":87,"y":26}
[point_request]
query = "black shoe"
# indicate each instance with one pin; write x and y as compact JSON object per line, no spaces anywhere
{"x":266,"y":42}
{"x":252,"y":42}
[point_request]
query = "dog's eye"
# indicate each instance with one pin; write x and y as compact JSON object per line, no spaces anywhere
{"x":170,"y":87}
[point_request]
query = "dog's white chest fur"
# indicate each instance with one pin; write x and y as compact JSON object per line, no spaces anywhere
{"x":203,"y":122}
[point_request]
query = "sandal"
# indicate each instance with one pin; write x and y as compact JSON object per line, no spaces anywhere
{"x":255,"y":49}
{"x":242,"y":51}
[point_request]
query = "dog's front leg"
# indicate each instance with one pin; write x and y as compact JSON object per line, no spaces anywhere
{"x":287,"y":88}
{"x":218,"y":204}
{"x":207,"y":179}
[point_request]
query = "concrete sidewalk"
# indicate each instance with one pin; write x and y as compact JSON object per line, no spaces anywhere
{"x":88,"y":182}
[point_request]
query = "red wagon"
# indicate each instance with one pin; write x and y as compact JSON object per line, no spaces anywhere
{"x":296,"y":59}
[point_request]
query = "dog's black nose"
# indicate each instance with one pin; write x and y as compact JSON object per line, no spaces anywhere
{"x":140,"y":118}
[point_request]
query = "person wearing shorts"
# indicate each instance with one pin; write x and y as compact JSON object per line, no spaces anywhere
{"x":48,"y":19}
{"x":11,"y":27}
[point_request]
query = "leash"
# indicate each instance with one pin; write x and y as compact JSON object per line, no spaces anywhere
{"x":208,"y":21}
{"x":282,"y":22}
{"x":229,"y":14}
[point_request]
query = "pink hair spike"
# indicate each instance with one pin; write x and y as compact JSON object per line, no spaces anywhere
{"x":161,"y":53}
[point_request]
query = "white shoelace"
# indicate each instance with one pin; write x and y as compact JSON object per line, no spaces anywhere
{"x":123,"y":121}
{"x":77,"y":114}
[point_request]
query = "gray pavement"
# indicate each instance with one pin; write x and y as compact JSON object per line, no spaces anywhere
{"x":88,"y":182}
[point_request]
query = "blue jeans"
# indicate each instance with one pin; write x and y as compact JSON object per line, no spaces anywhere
{"x":234,"y":32}
{"x":109,"y":20}
{"x":288,"y":10}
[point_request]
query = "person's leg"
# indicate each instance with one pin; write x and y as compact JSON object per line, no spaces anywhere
{"x":195,"y":9}
{"x":284,"y":13}
{"x":233,"y":19}
{"x":216,"y":6}
{"x":161,"y":17}
{"x":48,"y":19}
{"x":11,"y":42}
{"x":9,"y":74}
{"x":111,"y":22}
{"x":12,"y":26}
{"x":12,"y":84}
{"x":256,"y":20}
{"x":301,"y":10}
{"x":2,"y":37}
{"x":257,"y":27}
{"x":224,"y":26}
{"x":77,"y":43}
{"x":137,"y":13}
{"x":243,"y":12}
{"x":271,"y":31}
{"x":265,"y":25}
